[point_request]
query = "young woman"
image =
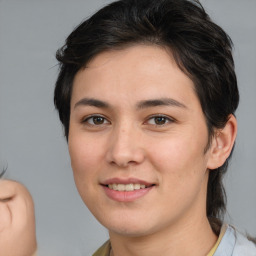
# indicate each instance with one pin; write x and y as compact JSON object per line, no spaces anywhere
{"x":147,"y":94}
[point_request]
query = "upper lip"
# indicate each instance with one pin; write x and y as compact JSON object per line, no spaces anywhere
{"x":126,"y":181}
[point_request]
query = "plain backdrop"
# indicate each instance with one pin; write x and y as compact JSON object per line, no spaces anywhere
{"x":31,"y":139}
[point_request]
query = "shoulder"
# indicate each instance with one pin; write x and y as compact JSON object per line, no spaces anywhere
{"x":243,"y":246}
{"x":235,"y":243}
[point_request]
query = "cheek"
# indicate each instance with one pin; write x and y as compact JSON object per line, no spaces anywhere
{"x":84,"y":152}
{"x":177,"y":151}
{"x":84,"y":161}
{"x":181,"y":171}
{"x":179,"y":158}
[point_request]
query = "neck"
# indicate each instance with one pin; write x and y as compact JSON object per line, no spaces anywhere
{"x":192,"y":239}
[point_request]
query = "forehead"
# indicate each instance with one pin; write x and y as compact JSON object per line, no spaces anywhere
{"x":136,"y":72}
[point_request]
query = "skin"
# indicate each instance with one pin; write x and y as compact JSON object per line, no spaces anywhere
{"x":128,"y":141}
{"x":17,"y":220}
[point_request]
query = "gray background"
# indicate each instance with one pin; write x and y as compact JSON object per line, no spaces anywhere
{"x":31,"y":140}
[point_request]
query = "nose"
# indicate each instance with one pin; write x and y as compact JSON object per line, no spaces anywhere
{"x":125,"y":147}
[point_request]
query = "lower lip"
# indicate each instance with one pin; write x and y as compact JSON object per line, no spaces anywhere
{"x":126,"y":196}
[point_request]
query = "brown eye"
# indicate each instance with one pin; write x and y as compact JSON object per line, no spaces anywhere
{"x":96,"y":120}
{"x":159,"y":120}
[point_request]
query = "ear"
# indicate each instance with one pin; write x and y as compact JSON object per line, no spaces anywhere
{"x":222,"y":144}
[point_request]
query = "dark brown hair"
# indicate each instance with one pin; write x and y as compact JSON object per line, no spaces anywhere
{"x":201,"y":49}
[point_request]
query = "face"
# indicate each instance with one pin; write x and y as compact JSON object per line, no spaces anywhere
{"x":136,"y":140}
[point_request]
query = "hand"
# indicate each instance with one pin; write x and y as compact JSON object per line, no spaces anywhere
{"x":17,"y":220}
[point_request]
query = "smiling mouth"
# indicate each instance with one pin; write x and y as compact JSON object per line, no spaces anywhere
{"x":127,"y":187}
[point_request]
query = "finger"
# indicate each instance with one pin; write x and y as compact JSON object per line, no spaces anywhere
{"x":7,"y":192}
{"x":8,"y":189}
{"x":5,"y":216}
{"x":17,"y":220}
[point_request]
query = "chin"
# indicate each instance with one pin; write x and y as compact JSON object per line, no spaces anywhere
{"x":129,"y":232}
{"x":127,"y":226}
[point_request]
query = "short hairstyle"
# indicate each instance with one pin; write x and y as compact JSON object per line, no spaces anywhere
{"x":201,"y":49}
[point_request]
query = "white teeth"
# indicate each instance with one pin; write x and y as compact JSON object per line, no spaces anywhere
{"x":129,"y":187}
{"x":126,"y":187}
{"x":136,"y":186}
{"x":120,"y":187}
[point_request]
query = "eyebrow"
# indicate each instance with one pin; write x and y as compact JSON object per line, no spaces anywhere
{"x":92,"y":102}
{"x":140,"y":105}
{"x":160,"y":102}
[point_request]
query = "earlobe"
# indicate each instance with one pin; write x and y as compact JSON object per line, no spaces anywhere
{"x":222,"y":144}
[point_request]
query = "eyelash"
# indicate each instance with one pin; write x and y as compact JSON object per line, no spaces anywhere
{"x":166,"y":119}
{"x":86,"y":120}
